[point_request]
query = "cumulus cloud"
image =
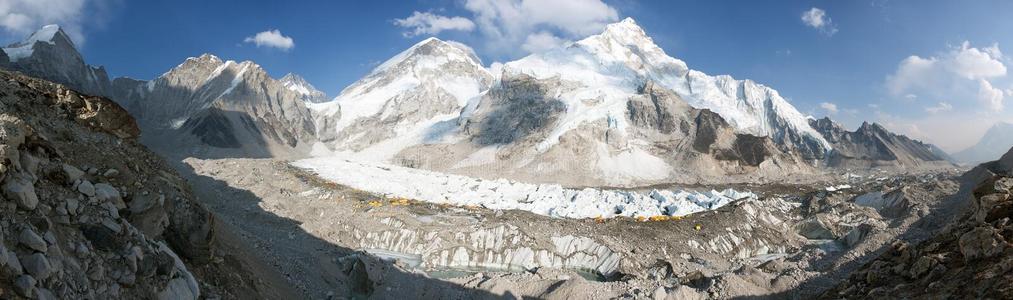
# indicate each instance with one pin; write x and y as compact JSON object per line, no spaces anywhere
{"x":962,"y":72}
{"x":818,"y":19}
{"x":940,"y":107}
{"x":22,"y":17}
{"x":271,"y":38}
{"x":537,"y":23}
{"x":541,"y":41}
{"x":989,"y":96}
{"x":425,"y":23}
{"x":829,"y":107}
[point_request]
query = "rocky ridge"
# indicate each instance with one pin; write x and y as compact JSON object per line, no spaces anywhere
{"x":971,"y":257}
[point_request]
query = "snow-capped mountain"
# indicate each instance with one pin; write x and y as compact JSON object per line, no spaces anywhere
{"x":612,"y":65}
{"x":236,"y":108}
{"x":299,"y":85}
{"x":611,"y":109}
{"x":996,"y":141}
{"x":50,"y":54}
{"x":402,"y":99}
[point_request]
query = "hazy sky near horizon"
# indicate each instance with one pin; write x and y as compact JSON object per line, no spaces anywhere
{"x":934,"y":70}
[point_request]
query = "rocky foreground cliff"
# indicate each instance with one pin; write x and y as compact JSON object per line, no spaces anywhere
{"x":86,"y":212}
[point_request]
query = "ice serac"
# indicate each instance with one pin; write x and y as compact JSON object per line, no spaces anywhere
{"x":996,"y":140}
{"x":872,"y":145}
{"x":299,"y":85}
{"x":215,"y":108}
{"x":611,"y":66}
{"x":402,"y":100}
{"x":50,"y":54}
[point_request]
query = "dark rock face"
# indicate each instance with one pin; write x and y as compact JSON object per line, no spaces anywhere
{"x":873,"y":144}
{"x":652,"y":111}
{"x":708,"y":124}
{"x":517,"y":109}
{"x":213,"y":128}
{"x":5,"y":61}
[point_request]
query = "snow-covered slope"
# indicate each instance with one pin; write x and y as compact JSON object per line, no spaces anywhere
{"x":393,"y":106}
{"x":299,"y":85}
{"x":611,"y":66}
{"x":996,"y":141}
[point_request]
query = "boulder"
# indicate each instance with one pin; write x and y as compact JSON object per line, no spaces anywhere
{"x":21,"y":191}
{"x":981,"y":242}
{"x":107,"y":193}
{"x":72,"y":173}
{"x":32,"y":240}
{"x":111,"y":173}
{"x":86,"y":188}
{"x":24,"y":285}
{"x":37,"y":265}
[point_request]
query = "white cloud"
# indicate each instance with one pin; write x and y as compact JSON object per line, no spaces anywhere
{"x":22,"y":17}
{"x":541,"y":41}
{"x":507,"y":23}
{"x":424,"y":23}
{"x":829,"y":107}
{"x":271,"y":38}
{"x":962,"y":73}
{"x":969,"y":86}
{"x":941,"y":107}
{"x":818,"y":19}
{"x":974,"y":63}
{"x":989,"y":96}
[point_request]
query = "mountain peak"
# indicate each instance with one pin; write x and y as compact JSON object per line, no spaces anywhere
{"x":430,"y":49}
{"x":50,"y":34}
{"x":297,"y":84}
{"x":626,"y":28}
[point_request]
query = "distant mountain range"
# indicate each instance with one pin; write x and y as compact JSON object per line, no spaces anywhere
{"x":611,"y":109}
{"x":996,"y":141}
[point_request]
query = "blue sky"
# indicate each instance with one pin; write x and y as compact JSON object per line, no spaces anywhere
{"x":930,"y":69}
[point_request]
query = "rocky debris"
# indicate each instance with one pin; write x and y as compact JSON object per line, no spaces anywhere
{"x":68,"y":239}
{"x":970,"y":257}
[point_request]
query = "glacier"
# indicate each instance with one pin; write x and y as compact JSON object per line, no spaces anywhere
{"x":544,"y":199}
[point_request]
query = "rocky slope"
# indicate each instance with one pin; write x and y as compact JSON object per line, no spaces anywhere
{"x":991,"y":145}
{"x":87,"y":212}
{"x":872,"y":145}
{"x":971,"y":257}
